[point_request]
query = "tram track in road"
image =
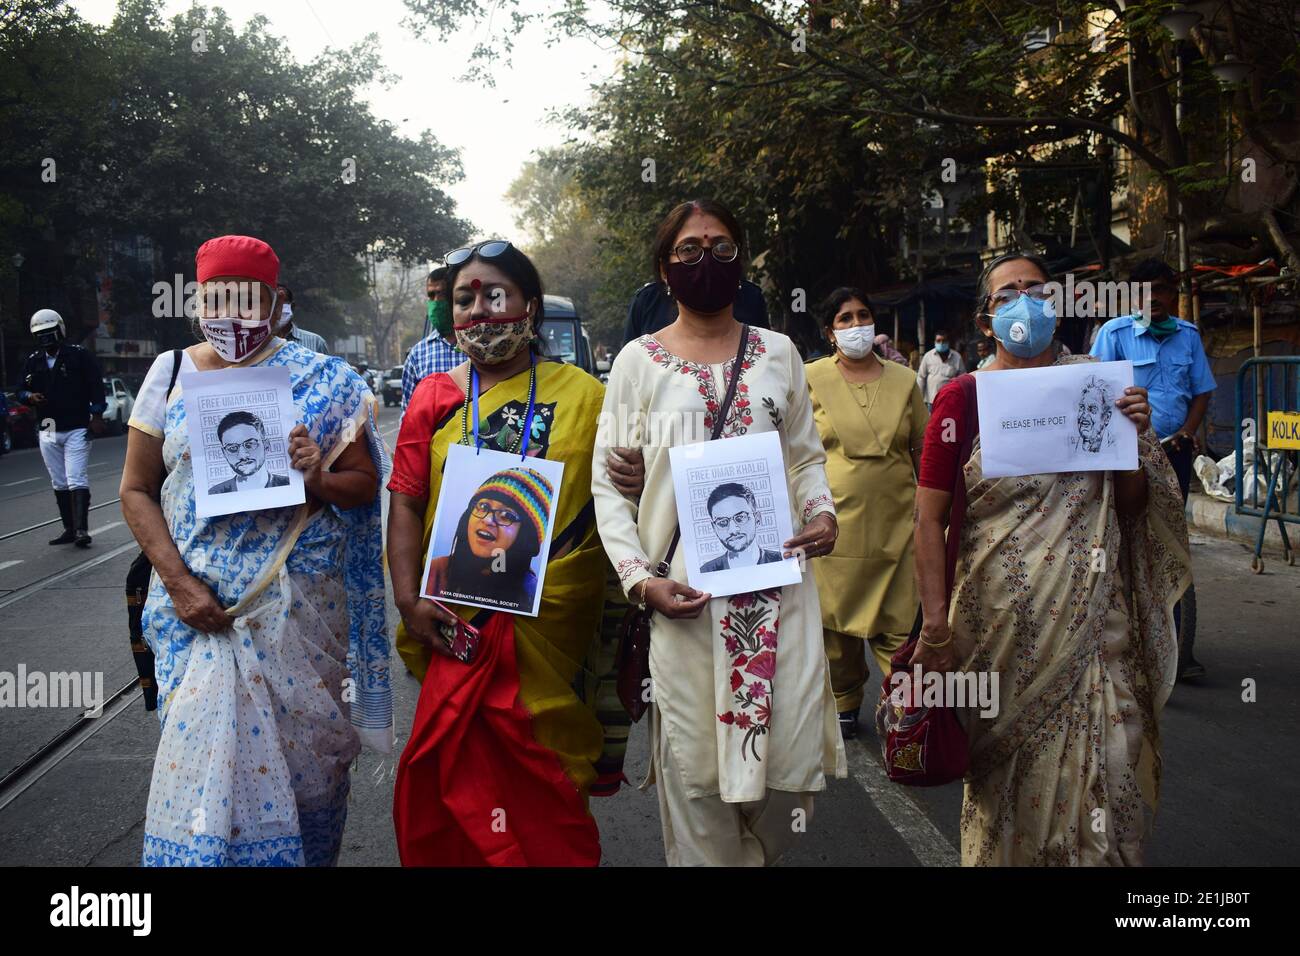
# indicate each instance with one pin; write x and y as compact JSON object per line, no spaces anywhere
{"x":48,"y":755}
{"x":24,"y":776}
{"x":46,"y":524}
{"x":19,"y":594}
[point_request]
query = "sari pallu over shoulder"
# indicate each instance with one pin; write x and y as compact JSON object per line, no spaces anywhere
{"x":503,"y":751}
{"x":222,"y":792}
{"x":1042,"y":558}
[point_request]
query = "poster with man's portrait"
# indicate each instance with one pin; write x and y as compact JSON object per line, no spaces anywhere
{"x":1036,"y":421}
{"x":492,"y":530}
{"x":734,"y":511}
{"x":239,"y":422}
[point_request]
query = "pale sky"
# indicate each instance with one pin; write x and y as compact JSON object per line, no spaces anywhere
{"x":541,"y":78}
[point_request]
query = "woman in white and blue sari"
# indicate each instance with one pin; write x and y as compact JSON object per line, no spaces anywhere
{"x":268,"y":627}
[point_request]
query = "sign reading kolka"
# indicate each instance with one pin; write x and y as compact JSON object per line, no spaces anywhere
{"x":1284,"y":430}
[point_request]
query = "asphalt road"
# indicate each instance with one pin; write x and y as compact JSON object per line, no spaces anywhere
{"x":1230,"y":779}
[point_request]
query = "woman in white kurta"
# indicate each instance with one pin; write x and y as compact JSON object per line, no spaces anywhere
{"x":743,"y":724}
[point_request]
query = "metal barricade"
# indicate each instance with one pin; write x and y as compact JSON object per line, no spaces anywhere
{"x":1268,"y":393}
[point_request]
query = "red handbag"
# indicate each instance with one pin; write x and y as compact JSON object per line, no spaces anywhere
{"x":927,"y":746}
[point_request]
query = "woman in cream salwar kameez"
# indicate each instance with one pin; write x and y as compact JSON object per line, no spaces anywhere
{"x":1064,"y":586}
{"x":268,"y":626}
{"x":742,"y":722}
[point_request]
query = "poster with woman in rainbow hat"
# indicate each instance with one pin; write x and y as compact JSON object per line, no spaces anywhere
{"x":491,"y":532}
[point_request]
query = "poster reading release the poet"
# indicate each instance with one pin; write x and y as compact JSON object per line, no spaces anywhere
{"x":239,"y":422}
{"x":492,"y":530}
{"x":734,"y":511}
{"x":1036,"y":421}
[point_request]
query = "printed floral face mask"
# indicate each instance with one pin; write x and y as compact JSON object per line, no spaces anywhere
{"x":495,"y":340}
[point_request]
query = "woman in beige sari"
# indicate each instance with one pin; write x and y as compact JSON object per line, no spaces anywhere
{"x":1064,"y":587}
{"x":871,"y":419}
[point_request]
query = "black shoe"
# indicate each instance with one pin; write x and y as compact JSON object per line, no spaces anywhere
{"x":1194,"y":670}
{"x":849,"y":724}
{"x":65,"y":512}
{"x":81,"y":515}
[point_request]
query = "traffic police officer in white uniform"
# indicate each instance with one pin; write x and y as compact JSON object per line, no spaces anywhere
{"x":63,"y":383}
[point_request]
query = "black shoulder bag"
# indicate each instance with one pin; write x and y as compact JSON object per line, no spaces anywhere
{"x":137,"y":589}
{"x":633,"y":661}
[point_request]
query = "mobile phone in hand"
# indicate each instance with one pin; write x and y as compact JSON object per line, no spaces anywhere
{"x":462,"y":639}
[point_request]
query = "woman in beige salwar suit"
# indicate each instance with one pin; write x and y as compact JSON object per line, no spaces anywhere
{"x":871,"y":419}
{"x":742,"y":718}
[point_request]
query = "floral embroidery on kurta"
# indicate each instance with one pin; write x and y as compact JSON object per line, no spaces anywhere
{"x":629,"y":565}
{"x":812,"y":504}
{"x":740,"y":416}
{"x":749,"y":631}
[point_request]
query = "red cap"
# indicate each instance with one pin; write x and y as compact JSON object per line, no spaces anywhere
{"x":241,"y":256}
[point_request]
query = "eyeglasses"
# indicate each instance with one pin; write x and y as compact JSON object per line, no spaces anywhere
{"x":241,"y":301}
{"x":250,"y":445}
{"x":1006,"y":296}
{"x":740,"y":520}
{"x":505,"y":517}
{"x":485,"y":250}
{"x":724,"y":250}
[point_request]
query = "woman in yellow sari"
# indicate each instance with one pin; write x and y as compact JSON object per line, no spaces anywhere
{"x":1064,"y":586}
{"x":871,"y":419}
{"x":503,"y":752}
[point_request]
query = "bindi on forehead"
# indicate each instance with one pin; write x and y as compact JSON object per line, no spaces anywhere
{"x":476,"y":284}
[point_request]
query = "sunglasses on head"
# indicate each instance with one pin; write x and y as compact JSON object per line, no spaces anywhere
{"x":484,"y":250}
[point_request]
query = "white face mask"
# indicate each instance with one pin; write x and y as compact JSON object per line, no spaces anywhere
{"x":857,"y":341}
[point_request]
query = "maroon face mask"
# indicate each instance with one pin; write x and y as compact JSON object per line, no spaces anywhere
{"x":706,"y":287}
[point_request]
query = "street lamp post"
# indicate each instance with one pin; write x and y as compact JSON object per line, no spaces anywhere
{"x":1179,"y":21}
{"x":17,"y":260}
{"x":1230,"y":72}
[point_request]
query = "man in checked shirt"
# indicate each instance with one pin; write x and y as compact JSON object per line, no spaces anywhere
{"x":436,"y":352}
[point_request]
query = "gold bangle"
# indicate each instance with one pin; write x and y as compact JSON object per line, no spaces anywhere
{"x":943,"y":644}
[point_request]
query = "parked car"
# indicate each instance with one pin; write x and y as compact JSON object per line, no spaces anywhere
{"x":120,"y":402}
{"x":20,"y":427}
{"x":563,"y":335}
{"x":393,"y":386}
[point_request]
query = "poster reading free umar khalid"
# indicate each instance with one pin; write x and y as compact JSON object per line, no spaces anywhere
{"x":733,"y":507}
{"x":239,"y":422}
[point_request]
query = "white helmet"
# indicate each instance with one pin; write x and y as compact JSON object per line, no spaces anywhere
{"x":47,"y":325}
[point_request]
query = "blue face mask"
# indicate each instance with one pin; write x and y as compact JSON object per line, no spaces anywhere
{"x":1025,"y":327}
{"x":941,"y":348}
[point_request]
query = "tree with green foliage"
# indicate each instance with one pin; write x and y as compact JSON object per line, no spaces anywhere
{"x":178,"y":130}
{"x":826,"y":123}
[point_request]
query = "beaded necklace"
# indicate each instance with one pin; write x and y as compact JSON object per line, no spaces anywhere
{"x":520,"y":446}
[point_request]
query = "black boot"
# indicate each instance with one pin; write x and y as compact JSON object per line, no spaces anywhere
{"x":81,"y":514}
{"x":65,"y":512}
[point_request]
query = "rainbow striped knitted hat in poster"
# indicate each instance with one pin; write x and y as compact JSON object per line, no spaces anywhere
{"x":527,"y":490}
